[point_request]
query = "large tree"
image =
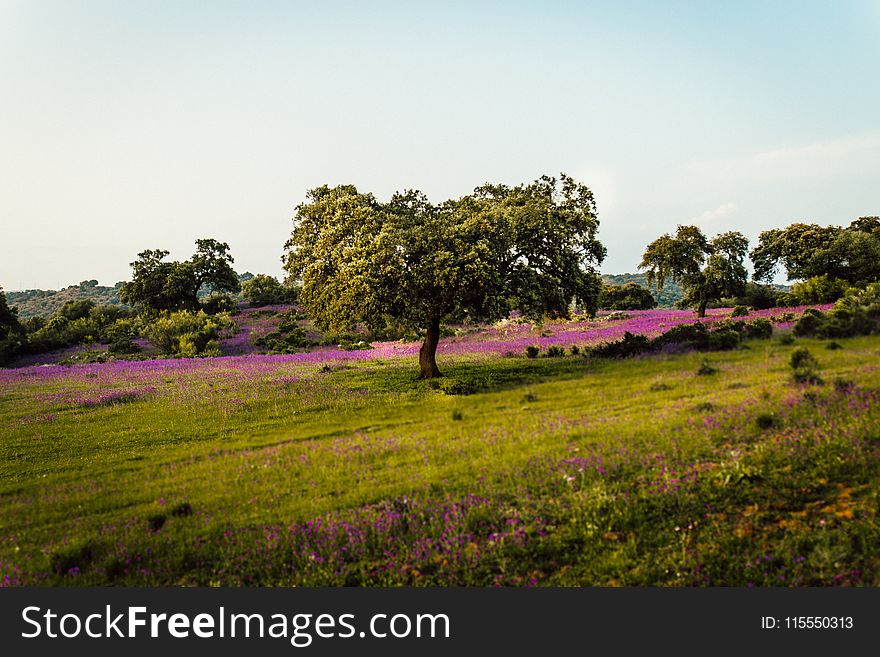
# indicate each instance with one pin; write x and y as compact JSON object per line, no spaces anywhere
{"x":415,"y":264}
{"x":708,"y":270}
{"x":851,"y":254}
{"x":157,"y":284}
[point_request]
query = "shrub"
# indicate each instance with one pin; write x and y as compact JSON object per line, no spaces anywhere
{"x":804,"y":366}
{"x":629,"y":345}
{"x":532,"y":351}
{"x":457,"y":416}
{"x":740,"y":311}
{"x":218,"y":303}
{"x":555,"y":351}
{"x":694,"y":336}
{"x":833,"y":346}
{"x":123,"y":346}
{"x":575,"y":350}
{"x":786,"y":339}
{"x":630,"y":296}
{"x":706,"y":369}
{"x":819,"y":289}
{"x":182,"y":510}
{"x":723,"y":340}
{"x":186,"y":334}
{"x":760,"y":327}
{"x":659,"y":387}
{"x":767,"y":421}
{"x":809,"y":323}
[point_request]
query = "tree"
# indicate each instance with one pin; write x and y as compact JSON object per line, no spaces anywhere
{"x":11,"y":331}
{"x":158,"y":285}
{"x":631,"y":296}
{"x":412,"y":264}
{"x":707,"y":270}
{"x":850,"y":254}
{"x":264,"y":290}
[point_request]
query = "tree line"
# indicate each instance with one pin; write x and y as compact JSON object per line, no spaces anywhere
{"x":410,"y":266}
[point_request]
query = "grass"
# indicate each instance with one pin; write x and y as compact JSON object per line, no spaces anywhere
{"x":511,"y":471}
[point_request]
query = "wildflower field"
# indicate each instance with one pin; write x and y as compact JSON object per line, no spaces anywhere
{"x":335,"y":467}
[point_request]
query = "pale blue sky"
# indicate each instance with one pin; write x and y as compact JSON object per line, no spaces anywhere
{"x":134,"y":125}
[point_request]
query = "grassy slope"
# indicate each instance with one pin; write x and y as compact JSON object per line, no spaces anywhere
{"x":255,"y":451}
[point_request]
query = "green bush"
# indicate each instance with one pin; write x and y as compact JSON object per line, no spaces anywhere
{"x":187,"y":334}
{"x":740,"y":311}
{"x":819,"y":289}
{"x":629,"y":345}
{"x":723,"y":340}
{"x":804,"y":366}
{"x":532,"y":351}
{"x":760,"y":327}
{"x":263,"y":290}
{"x":555,"y":351}
{"x":693,"y":336}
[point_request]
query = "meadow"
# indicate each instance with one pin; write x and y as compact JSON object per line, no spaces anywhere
{"x":338,"y":467}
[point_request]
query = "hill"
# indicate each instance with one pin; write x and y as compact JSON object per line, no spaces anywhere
{"x":44,"y":303}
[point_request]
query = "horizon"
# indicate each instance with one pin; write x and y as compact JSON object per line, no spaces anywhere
{"x":138,"y":126}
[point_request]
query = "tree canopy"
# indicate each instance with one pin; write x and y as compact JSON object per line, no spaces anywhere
{"x":158,"y":284}
{"x":707,"y":270}
{"x":11,"y":331}
{"x":630,"y":296}
{"x":851,"y":254}
{"x":415,"y":264}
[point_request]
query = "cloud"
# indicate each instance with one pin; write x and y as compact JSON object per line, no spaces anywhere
{"x":710,"y":217}
{"x":850,"y":155}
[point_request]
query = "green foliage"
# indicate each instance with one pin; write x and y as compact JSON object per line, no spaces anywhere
{"x":739,"y":311}
{"x":760,"y":327}
{"x":532,"y":351}
{"x":666,"y":295}
{"x":688,"y":336}
{"x":263,"y":290}
{"x":818,"y":289}
{"x":531,"y":247}
{"x":724,"y":340}
{"x":707,"y":270}
{"x":760,"y":296}
{"x":767,"y":420}
{"x":157,"y":285}
{"x":45,"y":303}
{"x":11,"y":331}
{"x":629,"y":345}
{"x":804,"y":366}
{"x":218,"y":303}
{"x":290,"y":337}
{"x":806,"y":251}
{"x":630,"y":296}
{"x":555,"y":351}
{"x":185,"y":334}
{"x":706,"y":369}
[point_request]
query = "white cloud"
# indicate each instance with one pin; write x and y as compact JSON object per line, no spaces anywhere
{"x":711,"y":217}
{"x":851,"y":155}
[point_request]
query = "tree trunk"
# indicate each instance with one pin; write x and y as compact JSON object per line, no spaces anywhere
{"x":428,"y":352}
{"x":701,"y":311}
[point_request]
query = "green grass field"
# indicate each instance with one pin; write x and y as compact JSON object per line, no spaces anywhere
{"x":553,"y":471}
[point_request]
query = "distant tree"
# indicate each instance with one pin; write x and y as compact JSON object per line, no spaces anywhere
{"x":707,"y":270}
{"x":11,"y":331}
{"x":851,"y":254}
{"x":631,"y":296}
{"x":263,"y":290}
{"x":158,"y":285}
{"x":415,"y":264}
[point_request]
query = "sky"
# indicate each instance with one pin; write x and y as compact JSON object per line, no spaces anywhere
{"x":127,"y":126}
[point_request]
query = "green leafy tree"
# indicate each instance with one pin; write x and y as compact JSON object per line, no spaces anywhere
{"x":707,"y":270}
{"x":263,"y":290}
{"x":631,"y":296}
{"x":413,"y":264}
{"x":851,"y":254}
{"x":11,"y":331}
{"x":158,"y":285}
